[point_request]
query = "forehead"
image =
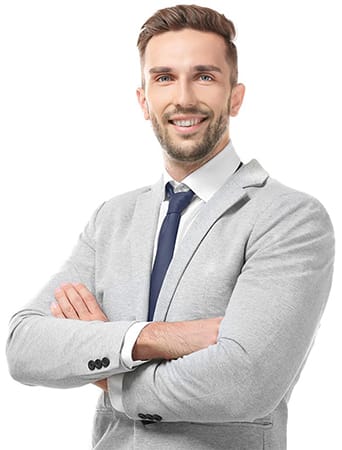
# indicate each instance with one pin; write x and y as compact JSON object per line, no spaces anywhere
{"x":185,"y":48}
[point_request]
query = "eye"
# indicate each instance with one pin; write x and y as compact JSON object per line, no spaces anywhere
{"x":164,"y":79}
{"x":205,"y":77}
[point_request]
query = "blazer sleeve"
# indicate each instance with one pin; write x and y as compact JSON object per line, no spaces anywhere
{"x":268,"y":328}
{"x":43,"y":350}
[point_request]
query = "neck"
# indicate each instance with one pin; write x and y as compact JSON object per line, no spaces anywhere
{"x":179,"y":170}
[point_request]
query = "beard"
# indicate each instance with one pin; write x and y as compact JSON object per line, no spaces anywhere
{"x":196,"y":151}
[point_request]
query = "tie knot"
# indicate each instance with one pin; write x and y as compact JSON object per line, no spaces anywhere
{"x":178,"y":201}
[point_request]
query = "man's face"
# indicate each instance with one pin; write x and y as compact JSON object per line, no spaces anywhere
{"x":187,"y":95}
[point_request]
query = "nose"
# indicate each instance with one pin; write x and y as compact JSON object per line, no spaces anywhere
{"x":184,"y":93}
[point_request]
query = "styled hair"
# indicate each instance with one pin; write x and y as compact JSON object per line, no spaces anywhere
{"x":193,"y":17}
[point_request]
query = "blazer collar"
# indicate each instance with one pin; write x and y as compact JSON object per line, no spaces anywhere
{"x":251,"y":174}
{"x":233,"y":193}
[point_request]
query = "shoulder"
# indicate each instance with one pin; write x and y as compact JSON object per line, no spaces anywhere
{"x":279,"y":199}
{"x":115,"y":212}
{"x":276,"y":211}
{"x":268,"y":194}
{"x":285,"y":214}
{"x":122,"y":203}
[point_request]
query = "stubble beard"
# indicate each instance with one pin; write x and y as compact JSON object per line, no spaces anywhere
{"x":198,"y":150}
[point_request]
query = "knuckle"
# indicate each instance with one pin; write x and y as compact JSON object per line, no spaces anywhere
{"x":75,"y":300}
{"x":68,"y":310}
{"x":59,"y":293}
{"x":88,"y":295}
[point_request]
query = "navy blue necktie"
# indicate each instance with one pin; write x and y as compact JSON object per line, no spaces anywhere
{"x":166,"y":242}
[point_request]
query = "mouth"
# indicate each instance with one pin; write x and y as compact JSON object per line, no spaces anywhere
{"x":188,"y":124}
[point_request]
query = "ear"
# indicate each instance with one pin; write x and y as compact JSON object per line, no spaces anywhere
{"x":238,"y":93}
{"x":143,"y":102}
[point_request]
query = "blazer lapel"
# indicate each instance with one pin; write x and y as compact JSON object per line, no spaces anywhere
{"x":143,"y":231}
{"x":232,"y":192}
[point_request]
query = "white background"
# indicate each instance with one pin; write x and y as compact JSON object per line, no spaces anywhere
{"x":72,"y":136}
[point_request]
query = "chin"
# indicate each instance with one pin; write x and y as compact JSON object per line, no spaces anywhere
{"x":187,"y":155}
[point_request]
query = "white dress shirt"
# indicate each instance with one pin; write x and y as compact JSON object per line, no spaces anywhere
{"x":204,"y":182}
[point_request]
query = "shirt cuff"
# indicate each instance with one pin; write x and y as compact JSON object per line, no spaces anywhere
{"x":115,"y":391}
{"x":129,"y":341}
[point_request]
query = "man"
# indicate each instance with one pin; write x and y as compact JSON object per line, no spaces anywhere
{"x":192,"y":303}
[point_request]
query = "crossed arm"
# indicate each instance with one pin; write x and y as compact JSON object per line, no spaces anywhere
{"x":262,"y":343}
{"x":158,"y":340}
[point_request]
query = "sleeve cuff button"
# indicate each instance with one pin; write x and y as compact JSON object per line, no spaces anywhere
{"x":91,"y":365}
{"x":105,"y":362}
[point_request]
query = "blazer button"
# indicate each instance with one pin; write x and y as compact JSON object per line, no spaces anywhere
{"x":98,"y":364}
{"x":142,"y":416}
{"x":105,"y":362}
{"x":91,"y":365}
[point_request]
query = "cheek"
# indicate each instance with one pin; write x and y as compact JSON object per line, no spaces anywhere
{"x":156,"y":107}
{"x":159,"y":98}
{"x":217,"y":100}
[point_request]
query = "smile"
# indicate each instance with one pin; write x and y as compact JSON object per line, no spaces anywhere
{"x":187,"y":125}
{"x":187,"y":122}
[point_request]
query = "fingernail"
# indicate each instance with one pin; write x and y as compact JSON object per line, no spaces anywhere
{"x":53,"y":305}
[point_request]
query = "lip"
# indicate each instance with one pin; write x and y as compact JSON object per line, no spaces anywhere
{"x":187,"y":117}
{"x":184,"y":129}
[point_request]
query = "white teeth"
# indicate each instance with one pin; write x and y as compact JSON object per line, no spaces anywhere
{"x":186,"y":123}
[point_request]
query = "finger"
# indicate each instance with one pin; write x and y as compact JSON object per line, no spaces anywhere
{"x":88,"y":298}
{"x":77,"y":301}
{"x":56,"y":311}
{"x":64,"y":304}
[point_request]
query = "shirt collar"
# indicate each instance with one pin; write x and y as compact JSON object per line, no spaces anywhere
{"x":210,"y":177}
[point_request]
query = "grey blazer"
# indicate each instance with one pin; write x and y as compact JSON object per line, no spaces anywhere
{"x":259,"y":253}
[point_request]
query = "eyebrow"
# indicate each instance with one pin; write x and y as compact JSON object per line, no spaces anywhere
{"x":207,"y":68}
{"x":160,"y":69}
{"x":198,"y":68}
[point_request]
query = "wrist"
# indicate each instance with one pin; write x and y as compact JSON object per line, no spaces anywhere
{"x":150,"y":343}
{"x":129,"y":341}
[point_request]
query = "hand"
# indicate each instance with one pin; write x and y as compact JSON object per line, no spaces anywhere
{"x":102,"y":384}
{"x":172,"y":340}
{"x":75,"y":301}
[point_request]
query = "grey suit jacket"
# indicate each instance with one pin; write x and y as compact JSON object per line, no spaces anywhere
{"x":259,"y":253}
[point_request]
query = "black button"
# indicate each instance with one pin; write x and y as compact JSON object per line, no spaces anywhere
{"x":157,"y":418}
{"x":149,"y":417}
{"x":91,"y":365}
{"x":98,"y":364}
{"x":142,"y":416}
{"x":105,"y":362}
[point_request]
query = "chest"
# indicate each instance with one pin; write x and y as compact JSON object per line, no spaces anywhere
{"x":202,"y":289}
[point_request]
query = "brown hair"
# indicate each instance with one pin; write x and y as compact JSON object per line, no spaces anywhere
{"x":194,"y":17}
